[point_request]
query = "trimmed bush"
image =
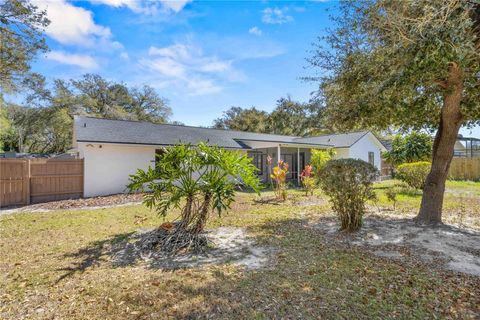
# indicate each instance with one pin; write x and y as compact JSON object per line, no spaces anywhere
{"x":348,"y":183}
{"x":413,"y":174}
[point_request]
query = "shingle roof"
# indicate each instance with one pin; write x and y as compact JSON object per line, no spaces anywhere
{"x":98,"y":130}
{"x":341,"y":140}
{"x":387,"y":144}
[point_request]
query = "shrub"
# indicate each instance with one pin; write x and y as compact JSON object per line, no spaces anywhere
{"x":348,"y":183}
{"x":413,"y":174}
{"x":413,"y":147}
{"x":308,"y":180}
{"x":197,"y":180}
{"x":279,"y":175}
{"x":320,"y":158}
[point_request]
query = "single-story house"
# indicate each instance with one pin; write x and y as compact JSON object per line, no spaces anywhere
{"x":114,"y":149}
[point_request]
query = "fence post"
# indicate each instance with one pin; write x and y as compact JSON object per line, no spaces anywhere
{"x":27,"y":179}
{"x":83,"y":178}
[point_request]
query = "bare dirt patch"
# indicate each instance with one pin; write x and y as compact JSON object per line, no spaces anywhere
{"x":91,"y":203}
{"x":228,"y":245}
{"x":443,"y":246}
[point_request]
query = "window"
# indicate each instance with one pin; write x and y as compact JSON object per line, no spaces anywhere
{"x":371,"y":158}
{"x":257,"y":160}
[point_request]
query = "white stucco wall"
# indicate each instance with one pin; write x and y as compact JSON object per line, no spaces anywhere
{"x":367,"y":143}
{"x":341,"y":153}
{"x":107,"y":168}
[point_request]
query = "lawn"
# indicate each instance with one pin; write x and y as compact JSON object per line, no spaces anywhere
{"x":57,"y":265}
{"x":461,"y":203}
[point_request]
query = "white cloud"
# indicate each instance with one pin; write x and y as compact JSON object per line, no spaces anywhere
{"x":176,"y":51}
{"x":148,"y":7}
{"x":186,"y":66}
{"x":215,"y":66}
{"x":255,"y":30}
{"x":176,"y":5}
{"x":167,"y":67}
{"x":124,"y":56}
{"x":74,"y":25}
{"x":199,"y":87}
{"x":79,"y":60}
{"x":276,"y":16}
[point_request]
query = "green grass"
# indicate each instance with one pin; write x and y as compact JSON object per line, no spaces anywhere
{"x":56,"y":265}
{"x":461,"y":203}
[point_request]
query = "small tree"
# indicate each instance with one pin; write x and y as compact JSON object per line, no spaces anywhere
{"x":413,"y":147}
{"x":391,"y":194}
{"x":196,"y":180}
{"x":348,"y":183}
{"x":308,"y":180}
{"x":279,"y":175}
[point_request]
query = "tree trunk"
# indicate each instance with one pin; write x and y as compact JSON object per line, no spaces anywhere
{"x":202,"y":214}
{"x":443,"y":147}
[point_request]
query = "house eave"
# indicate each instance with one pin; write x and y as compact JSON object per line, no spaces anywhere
{"x":140,"y":144}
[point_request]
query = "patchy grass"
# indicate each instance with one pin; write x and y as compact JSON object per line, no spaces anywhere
{"x":461,"y":204}
{"x":55,"y":265}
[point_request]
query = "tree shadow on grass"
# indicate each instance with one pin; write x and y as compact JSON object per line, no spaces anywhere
{"x":307,"y":278}
{"x":227,"y":245}
{"x":92,"y":255}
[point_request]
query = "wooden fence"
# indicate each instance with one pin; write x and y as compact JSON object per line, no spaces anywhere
{"x":24,"y":181}
{"x":465,"y":169}
{"x":386,"y":171}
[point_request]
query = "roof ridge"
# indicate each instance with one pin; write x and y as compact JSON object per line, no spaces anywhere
{"x":335,"y":134}
{"x":188,"y":126}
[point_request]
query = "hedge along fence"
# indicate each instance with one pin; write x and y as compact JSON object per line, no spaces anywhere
{"x":465,"y":169}
{"x":24,"y":181}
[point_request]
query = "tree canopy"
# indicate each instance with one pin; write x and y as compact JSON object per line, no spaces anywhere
{"x":236,"y":118}
{"x":412,"y":147}
{"x":386,"y":63}
{"x":44,"y":123}
{"x":289,"y":118}
{"x":21,"y":38}
{"x":404,"y":64}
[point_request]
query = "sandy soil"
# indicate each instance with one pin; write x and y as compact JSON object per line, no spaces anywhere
{"x":445,"y":246}
{"x":229,"y":245}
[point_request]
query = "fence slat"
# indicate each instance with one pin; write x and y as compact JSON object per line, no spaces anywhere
{"x":465,"y":169}
{"x":13,"y":182}
{"x":38,"y":180}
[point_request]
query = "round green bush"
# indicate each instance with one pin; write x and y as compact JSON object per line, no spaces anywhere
{"x":413,"y":174}
{"x":348,"y":183}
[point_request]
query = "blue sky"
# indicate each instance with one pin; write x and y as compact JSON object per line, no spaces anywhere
{"x":203,"y":56}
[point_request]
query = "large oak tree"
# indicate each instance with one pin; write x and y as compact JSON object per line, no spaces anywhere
{"x":408,"y":65}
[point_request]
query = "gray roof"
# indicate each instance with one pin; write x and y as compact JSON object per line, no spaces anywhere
{"x":387,"y":144}
{"x":98,"y":130}
{"x":341,"y":140}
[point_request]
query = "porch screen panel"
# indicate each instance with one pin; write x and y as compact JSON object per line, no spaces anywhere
{"x":257,"y":160}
